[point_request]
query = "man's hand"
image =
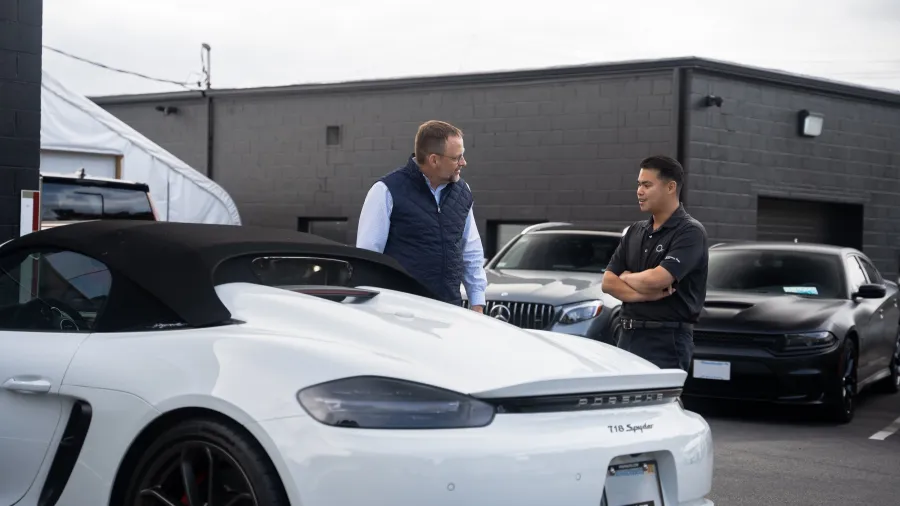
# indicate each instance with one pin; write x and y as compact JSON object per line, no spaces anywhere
{"x":661,"y":294}
{"x":478,"y":309}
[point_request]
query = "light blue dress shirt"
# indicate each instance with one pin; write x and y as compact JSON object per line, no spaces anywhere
{"x":375,"y":221}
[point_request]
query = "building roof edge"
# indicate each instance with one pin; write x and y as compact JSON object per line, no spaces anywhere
{"x":707,"y":65}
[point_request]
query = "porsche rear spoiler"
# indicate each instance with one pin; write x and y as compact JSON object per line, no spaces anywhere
{"x":661,"y":380}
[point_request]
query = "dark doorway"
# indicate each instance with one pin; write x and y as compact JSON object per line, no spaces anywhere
{"x":335,"y":229}
{"x":836,"y":223}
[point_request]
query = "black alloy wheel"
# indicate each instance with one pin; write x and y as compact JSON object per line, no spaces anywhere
{"x":843,"y":407}
{"x":204,"y":463}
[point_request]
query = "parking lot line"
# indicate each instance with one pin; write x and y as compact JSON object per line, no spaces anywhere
{"x":890,"y":429}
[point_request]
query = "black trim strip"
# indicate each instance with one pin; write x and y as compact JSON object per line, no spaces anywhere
{"x":584,"y":401}
{"x":66,"y":453}
{"x":682,"y":90}
{"x":210,"y":132}
{"x":337,"y":293}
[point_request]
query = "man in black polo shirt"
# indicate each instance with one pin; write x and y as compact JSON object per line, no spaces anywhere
{"x":659,"y":270}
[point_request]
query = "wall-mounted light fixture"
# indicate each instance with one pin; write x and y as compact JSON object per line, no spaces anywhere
{"x":167,"y":110}
{"x":810,"y":123}
{"x":713,"y":100}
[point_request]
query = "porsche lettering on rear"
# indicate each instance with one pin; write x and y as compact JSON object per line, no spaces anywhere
{"x":620,"y":399}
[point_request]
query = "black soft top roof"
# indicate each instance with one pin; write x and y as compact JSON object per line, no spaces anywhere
{"x":176,"y":262}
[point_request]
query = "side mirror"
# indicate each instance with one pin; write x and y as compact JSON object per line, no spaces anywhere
{"x":870,"y":291}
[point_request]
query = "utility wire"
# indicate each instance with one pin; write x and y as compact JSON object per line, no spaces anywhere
{"x":128,"y":72}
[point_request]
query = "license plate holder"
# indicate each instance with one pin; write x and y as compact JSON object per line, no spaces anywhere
{"x":712,"y":370}
{"x":633,"y":484}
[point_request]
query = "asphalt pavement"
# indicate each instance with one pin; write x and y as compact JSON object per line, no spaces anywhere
{"x":768,"y":455}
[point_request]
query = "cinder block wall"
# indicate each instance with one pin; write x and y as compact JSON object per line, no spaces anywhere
{"x":20,"y":106}
{"x":182,"y":133}
{"x":751,"y":147}
{"x":551,"y":150}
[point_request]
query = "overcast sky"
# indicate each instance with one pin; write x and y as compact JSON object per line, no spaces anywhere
{"x":277,"y":42}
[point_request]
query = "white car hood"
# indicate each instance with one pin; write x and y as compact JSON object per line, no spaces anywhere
{"x":404,"y":336}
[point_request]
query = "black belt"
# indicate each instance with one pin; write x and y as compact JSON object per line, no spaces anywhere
{"x":628,"y":324}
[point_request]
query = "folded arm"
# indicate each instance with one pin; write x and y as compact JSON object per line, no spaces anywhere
{"x":685,"y":252}
{"x":649,"y":281}
{"x":615,"y":286}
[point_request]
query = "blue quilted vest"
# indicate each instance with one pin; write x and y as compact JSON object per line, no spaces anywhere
{"x":427,"y":238}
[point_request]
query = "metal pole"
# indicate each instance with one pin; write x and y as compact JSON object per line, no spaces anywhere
{"x":208,"y":69}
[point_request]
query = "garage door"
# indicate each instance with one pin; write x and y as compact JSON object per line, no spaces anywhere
{"x":69,"y":162}
{"x":809,"y":221}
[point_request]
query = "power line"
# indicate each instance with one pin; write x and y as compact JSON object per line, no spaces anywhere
{"x":128,"y":72}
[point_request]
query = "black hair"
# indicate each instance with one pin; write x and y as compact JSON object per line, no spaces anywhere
{"x":669,"y":169}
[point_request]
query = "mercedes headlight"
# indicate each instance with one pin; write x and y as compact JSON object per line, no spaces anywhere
{"x":579,"y":312}
{"x":821,"y":339}
{"x":369,"y":402}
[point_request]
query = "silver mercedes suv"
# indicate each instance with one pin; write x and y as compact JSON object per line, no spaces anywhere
{"x":549,"y":277}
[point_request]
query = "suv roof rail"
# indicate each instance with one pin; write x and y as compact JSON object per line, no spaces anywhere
{"x":540,"y":226}
{"x":726,"y":243}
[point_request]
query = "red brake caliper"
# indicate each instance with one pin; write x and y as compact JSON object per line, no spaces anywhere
{"x":184,"y":498}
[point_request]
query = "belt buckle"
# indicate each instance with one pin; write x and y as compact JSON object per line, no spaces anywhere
{"x":628,"y":324}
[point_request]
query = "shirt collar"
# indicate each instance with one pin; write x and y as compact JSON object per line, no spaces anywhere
{"x":414,"y":163}
{"x":673,"y":220}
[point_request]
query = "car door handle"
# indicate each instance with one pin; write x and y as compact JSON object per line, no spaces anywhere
{"x":27,"y":385}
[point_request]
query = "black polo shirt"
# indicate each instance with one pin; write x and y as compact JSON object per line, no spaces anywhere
{"x":679,"y":246}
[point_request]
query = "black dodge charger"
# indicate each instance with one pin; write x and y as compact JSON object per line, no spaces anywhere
{"x":796,"y":323}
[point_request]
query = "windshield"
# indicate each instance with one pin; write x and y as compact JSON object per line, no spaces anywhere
{"x":560,"y":252}
{"x":75,"y":202}
{"x":776,"y":272}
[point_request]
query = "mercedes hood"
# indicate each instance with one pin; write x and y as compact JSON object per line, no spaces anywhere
{"x":547,"y":287}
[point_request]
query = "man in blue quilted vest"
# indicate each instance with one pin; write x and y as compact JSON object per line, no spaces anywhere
{"x":421,"y":215}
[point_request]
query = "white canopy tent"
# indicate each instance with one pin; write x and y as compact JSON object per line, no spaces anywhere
{"x":76,"y":133}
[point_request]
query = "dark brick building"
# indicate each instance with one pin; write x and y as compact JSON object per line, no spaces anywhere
{"x":21,"y":24}
{"x":559,"y":144}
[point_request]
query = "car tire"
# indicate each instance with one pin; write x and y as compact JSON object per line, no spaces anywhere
{"x":615,"y":330}
{"x":892,"y":383}
{"x":842,"y":406}
{"x":200,"y":445}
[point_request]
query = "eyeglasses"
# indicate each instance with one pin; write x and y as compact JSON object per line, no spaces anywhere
{"x":457,"y":159}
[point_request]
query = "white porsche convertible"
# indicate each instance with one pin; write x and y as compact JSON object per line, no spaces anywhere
{"x":154,"y":363}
